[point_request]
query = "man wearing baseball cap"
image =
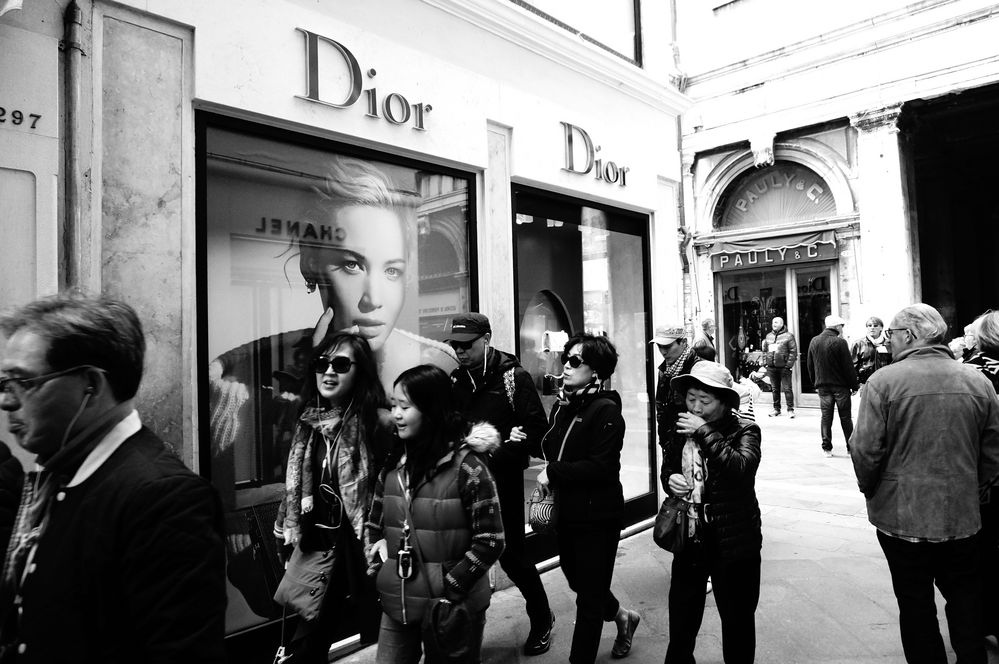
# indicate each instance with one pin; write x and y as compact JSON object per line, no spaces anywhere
{"x":678,"y":359}
{"x":491,"y":386}
{"x":834,"y":377}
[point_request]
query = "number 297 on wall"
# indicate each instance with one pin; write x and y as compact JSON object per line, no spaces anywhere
{"x":19,"y":117}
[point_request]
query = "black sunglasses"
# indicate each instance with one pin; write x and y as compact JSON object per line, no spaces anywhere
{"x":341,"y":364}
{"x":572,"y":360}
{"x":462,"y":345}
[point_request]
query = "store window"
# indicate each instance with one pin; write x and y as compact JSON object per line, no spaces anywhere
{"x":291,"y":227}
{"x":582,"y":268}
{"x":612,"y":24}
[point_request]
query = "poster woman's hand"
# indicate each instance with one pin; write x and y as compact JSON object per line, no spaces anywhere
{"x":325,"y":323}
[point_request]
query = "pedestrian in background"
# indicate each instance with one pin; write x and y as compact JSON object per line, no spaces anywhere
{"x":714,"y":468}
{"x":925,"y":448}
{"x":491,"y":386}
{"x":678,"y":358}
{"x":831,"y":368}
{"x":704,"y":345}
{"x":117,"y":553}
{"x":870,"y":352}
{"x":986,"y":360}
{"x":583,"y":448}
{"x":780,"y":352}
{"x":435,"y":519}
{"x":338,"y":449}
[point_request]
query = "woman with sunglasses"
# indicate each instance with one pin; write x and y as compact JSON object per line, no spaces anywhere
{"x":435,"y":521}
{"x":339,"y":446}
{"x":583,"y":452}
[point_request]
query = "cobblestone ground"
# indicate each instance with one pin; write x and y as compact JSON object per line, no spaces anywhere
{"x":826,"y":595}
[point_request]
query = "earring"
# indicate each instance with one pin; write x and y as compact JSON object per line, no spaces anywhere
{"x":310,"y":286}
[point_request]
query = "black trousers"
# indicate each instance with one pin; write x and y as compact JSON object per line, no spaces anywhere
{"x":587,"y":553}
{"x":780,"y":380}
{"x":954,"y":567}
{"x":736,"y":586}
{"x":839,"y":398}
{"x":514,"y":560}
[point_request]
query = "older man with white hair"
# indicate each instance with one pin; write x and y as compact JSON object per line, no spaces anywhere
{"x":925,"y":448}
{"x":831,"y":368}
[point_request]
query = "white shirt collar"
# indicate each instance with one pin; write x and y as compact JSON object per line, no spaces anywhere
{"x":122,"y":431}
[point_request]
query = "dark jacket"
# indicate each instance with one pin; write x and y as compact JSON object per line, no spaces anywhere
{"x":457,"y":526}
{"x":829,"y":361}
{"x":588,"y":476}
{"x":731,"y":449}
{"x":780,"y":349}
{"x":670,"y":402}
{"x":869,"y":356}
{"x":926,"y":442}
{"x":11,"y":479}
{"x":131,"y":567}
{"x":485,"y":398}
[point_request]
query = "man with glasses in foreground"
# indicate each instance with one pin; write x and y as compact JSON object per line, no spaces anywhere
{"x":117,"y":552}
{"x":925,"y":448}
{"x":491,"y":386}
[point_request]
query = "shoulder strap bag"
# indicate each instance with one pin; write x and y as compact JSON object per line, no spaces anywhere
{"x":542,"y":514}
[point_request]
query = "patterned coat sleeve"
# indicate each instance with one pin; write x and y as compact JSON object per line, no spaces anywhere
{"x":478,"y":495}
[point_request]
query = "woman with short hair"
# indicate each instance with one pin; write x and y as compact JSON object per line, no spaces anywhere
{"x":583,"y":450}
{"x":715,"y":470}
{"x":871,"y":352}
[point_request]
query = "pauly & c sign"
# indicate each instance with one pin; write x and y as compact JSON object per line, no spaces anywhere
{"x":772,"y":257}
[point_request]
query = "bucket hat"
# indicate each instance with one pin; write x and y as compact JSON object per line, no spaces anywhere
{"x":711,"y":375}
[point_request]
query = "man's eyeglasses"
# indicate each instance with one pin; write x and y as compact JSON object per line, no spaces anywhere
{"x":462,"y":345}
{"x":341,"y":364}
{"x":572,"y":360}
{"x":18,"y":387}
{"x":889,"y":330}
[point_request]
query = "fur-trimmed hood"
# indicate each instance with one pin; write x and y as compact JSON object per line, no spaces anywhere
{"x":482,"y":437}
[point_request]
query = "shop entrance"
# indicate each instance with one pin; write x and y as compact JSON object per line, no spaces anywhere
{"x":749,"y":300}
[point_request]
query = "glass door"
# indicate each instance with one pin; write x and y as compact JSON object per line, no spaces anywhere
{"x":815,"y":287}
{"x":749,"y":302}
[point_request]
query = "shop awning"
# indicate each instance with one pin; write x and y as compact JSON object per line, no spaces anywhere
{"x":773,"y":251}
{"x":773,"y":243}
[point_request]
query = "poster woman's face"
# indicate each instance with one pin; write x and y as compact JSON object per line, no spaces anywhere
{"x":364,"y":276}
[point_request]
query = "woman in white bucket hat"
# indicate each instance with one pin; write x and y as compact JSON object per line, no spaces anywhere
{"x":715,"y":469}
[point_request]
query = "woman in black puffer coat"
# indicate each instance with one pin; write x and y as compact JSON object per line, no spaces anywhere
{"x":715,"y":468}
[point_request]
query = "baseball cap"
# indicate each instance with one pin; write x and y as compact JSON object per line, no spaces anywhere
{"x":466,"y":327}
{"x":667,"y":334}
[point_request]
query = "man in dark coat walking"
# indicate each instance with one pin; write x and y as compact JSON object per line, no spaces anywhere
{"x":117,"y":553}
{"x":834,"y":377}
{"x":491,"y":386}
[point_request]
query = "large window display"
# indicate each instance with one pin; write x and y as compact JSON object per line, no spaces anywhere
{"x":582,"y":268}
{"x":295,"y":229}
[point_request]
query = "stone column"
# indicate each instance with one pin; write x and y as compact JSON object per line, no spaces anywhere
{"x":888,"y":248}
{"x":495,"y":241}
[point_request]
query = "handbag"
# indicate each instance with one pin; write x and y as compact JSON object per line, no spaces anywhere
{"x":542,"y":512}
{"x":672,"y":525}
{"x":305,"y":580}
{"x":446,"y":631}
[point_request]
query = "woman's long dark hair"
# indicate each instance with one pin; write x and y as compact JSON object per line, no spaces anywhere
{"x":367,"y":396}
{"x":429,"y":390}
